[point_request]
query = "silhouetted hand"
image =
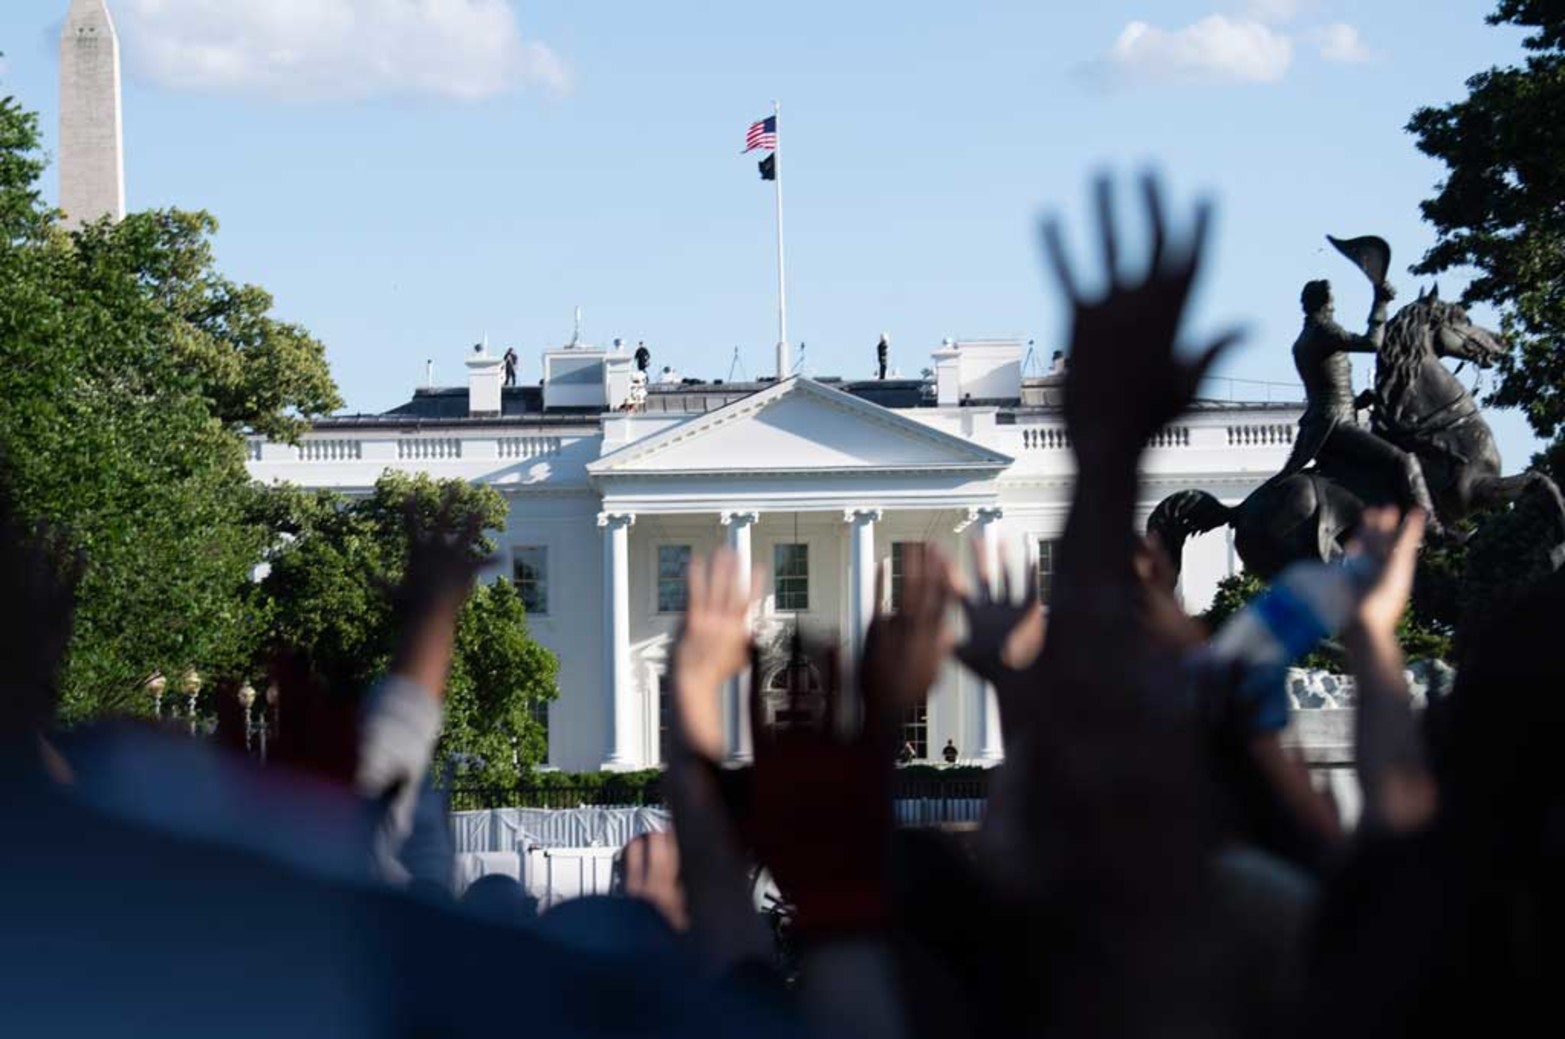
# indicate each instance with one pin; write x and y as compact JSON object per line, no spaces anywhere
{"x":821,"y":804}
{"x":1399,"y":790}
{"x":1004,"y":632}
{"x":903,"y":651}
{"x":1392,"y":543}
{"x":650,"y":865}
{"x":1004,"y":641}
{"x":443,"y":561}
{"x":1126,"y":379}
{"x":713,"y":646}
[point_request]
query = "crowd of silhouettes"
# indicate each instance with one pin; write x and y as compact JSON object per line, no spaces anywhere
{"x":1152,"y":862}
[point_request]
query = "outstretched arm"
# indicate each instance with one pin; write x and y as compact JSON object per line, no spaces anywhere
{"x":1399,"y":792}
{"x":1375,"y":332}
{"x":1125,"y":381}
{"x":713,"y":646}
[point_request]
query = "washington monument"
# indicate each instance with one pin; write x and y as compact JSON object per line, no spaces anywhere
{"x":92,"y":140}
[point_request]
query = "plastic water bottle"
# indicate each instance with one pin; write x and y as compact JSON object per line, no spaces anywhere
{"x":1306,"y":603}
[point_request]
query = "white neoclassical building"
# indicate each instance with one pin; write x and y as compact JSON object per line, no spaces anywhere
{"x":614,"y":484}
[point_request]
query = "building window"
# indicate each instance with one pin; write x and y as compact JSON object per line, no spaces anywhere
{"x":665,"y":717}
{"x":915,"y":730}
{"x":898,"y":573}
{"x":791,"y":577}
{"x":539,"y":710}
{"x":530,"y":573}
{"x":1046,"y":561}
{"x":673,"y":578}
{"x":794,"y":695}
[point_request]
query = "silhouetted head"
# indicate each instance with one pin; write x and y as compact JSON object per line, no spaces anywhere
{"x":500,"y":899}
{"x":1316,"y":296}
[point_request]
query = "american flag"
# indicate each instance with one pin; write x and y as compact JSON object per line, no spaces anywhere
{"x":762,"y":135}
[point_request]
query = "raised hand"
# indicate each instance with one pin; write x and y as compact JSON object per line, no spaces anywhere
{"x":820,"y":815}
{"x":1126,"y":379}
{"x":1005,"y":636}
{"x":903,"y":651}
{"x":713,"y":646}
{"x":650,"y":866}
{"x":1391,"y":542}
{"x":1399,"y":790}
{"x":445,"y":554}
{"x":1004,"y":632}
{"x":444,"y":557}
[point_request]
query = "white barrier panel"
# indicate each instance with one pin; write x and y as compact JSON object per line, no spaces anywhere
{"x":554,"y":875}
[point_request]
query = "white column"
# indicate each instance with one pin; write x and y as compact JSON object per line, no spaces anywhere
{"x":991,"y":746}
{"x":616,"y":640}
{"x":861,"y":576}
{"x":736,"y":712}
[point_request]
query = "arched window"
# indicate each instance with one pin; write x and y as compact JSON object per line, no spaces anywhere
{"x":800,"y":681}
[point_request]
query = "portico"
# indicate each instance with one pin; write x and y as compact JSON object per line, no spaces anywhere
{"x":817,"y":488}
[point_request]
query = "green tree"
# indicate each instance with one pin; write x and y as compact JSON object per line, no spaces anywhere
{"x":327,"y":593}
{"x":500,"y":681}
{"x":128,"y":370}
{"x":1499,"y":208}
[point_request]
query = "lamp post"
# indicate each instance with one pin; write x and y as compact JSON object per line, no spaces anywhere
{"x":269,"y":718}
{"x":247,"y":701}
{"x":190,"y":685}
{"x":155,"y":686}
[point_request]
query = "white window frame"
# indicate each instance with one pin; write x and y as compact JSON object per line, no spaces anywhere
{"x":1038,"y":541}
{"x":548,"y":577}
{"x":811,"y":554}
{"x":689,"y":545}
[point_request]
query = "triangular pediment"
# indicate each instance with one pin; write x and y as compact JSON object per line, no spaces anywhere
{"x":798,"y":426}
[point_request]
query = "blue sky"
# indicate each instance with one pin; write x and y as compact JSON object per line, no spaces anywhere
{"x":405,"y":184}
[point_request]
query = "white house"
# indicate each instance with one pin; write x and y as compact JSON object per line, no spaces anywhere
{"x":613,"y":484}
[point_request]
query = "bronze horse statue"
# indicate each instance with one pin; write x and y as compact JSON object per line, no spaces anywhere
{"x":1418,"y":405}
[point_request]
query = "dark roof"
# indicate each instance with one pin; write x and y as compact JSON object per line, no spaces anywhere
{"x":448,"y":402}
{"x":523,"y":405}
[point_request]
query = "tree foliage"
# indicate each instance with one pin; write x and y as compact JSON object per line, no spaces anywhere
{"x":327,"y":593}
{"x":128,"y":370}
{"x":1499,"y":209}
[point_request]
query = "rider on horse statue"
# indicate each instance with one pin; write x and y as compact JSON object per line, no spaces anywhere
{"x":1329,"y":431}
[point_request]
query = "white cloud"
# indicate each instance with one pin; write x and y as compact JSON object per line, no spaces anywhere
{"x":1275,"y":12}
{"x":1216,"y":49}
{"x":1341,"y":42}
{"x":338,"y":50}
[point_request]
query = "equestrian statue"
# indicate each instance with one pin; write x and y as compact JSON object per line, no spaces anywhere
{"x":1426,"y":444}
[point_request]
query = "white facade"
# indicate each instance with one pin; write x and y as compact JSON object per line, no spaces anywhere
{"x":92,"y":138}
{"x":600,"y":497}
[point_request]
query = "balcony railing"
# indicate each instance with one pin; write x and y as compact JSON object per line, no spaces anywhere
{"x":1270,"y":435}
{"x":336,"y":449}
{"x":429,"y":449}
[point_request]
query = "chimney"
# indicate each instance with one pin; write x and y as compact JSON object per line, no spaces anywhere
{"x":485,"y":377}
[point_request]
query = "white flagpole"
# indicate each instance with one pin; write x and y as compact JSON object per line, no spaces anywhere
{"x":783,"y":364}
